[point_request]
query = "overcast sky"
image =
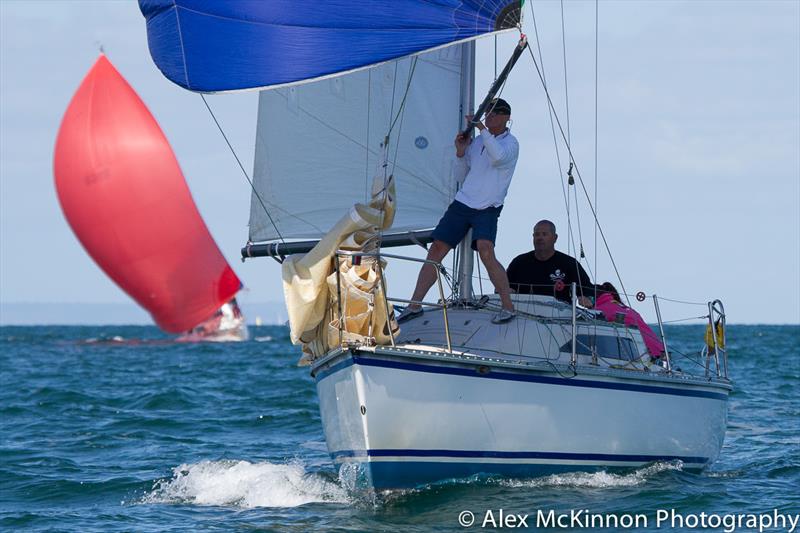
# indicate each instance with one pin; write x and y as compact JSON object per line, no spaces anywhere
{"x":698,"y":165}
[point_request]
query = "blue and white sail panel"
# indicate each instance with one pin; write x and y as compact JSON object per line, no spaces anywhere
{"x":318,"y":146}
{"x":213,"y":46}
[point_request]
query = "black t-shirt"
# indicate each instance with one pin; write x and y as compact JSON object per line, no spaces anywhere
{"x":528,"y":275}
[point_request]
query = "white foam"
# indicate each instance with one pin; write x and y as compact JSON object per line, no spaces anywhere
{"x":266,"y":338}
{"x":600,"y":479}
{"x":109,"y":340}
{"x":244,"y":484}
{"x":218,"y":337}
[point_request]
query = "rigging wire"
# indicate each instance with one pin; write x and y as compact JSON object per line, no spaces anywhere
{"x":674,"y":321}
{"x":687,"y":357}
{"x":578,"y":172}
{"x":247,"y":177}
{"x":596,"y":41}
{"x":394,"y":89}
{"x":384,"y":157}
{"x":401,"y":113}
{"x":405,"y":95}
{"x":564,"y":54}
{"x":577,"y":249}
{"x":366,"y":142}
{"x":564,"y":190}
{"x":684,"y":302}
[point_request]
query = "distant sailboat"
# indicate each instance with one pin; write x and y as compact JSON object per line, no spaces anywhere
{"x":226,"y":324}
{"x":124,"y":196}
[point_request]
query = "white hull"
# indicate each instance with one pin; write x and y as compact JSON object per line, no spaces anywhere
{"x":237,"y":332}
{"x":429,"y":415}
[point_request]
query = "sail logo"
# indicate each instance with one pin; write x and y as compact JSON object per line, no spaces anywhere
{"x":421,"y":142}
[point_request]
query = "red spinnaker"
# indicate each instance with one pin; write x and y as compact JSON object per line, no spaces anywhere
{"x":124,"y":195}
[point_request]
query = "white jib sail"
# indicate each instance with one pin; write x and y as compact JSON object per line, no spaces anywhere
{"x":317,"y":146}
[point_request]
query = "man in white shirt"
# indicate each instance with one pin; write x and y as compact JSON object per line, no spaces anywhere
{"x":486,"y":165}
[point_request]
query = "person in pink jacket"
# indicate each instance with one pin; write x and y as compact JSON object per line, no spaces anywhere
{"x":608,"y":301}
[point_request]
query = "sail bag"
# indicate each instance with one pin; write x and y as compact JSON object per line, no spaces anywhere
{"x":322,"y":299}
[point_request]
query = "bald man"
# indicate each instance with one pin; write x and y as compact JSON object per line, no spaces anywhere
{"x":548,"y":272}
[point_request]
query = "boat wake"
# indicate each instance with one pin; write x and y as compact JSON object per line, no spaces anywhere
{"x":224,"y":337}
{"x":248,"y":485}
{"x":245,"y":485}
{"x":600,"y":479}
{"x":109,"y":340}
{"x":118,"y":340}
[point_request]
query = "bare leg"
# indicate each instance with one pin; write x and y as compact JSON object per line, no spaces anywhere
{"x":496,"y":272}
{"x":427,"y":274}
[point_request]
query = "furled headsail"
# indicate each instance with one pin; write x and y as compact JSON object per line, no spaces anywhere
{"x":212,"y":46}
{"x":124,"y":196}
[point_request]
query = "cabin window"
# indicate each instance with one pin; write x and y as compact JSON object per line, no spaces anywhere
{"x":610,"y":346}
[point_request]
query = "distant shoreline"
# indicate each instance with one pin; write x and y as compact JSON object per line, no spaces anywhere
{"x":114,"y":314}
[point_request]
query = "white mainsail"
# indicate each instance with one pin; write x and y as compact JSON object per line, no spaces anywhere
{"x":318,"y":144}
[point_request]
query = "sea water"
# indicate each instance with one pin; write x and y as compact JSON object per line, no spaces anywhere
{"x":124,"y":429}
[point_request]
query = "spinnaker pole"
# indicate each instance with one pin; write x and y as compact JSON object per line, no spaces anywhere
{"x":498,"y":83}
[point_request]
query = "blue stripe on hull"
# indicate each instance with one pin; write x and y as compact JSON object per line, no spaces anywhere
{"x":552,"y":456}
{"x":402,"y":474}
{"x":508,"y":376}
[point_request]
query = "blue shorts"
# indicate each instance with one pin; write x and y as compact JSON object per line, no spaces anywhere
{"x":459,"y":218}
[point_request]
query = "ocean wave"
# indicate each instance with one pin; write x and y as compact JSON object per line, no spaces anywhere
{"x":246,"y":485}
{"x":601,"y":479}
{"x":109,"y":340}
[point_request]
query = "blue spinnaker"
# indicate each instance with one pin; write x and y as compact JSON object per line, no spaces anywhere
{"x":214,"y":46}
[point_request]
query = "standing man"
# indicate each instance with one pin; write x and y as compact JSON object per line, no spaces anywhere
{"x":486,"y":165}
{"x":548,"y":272}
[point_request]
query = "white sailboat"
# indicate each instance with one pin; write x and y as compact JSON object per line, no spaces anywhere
{"x":226,"y":325}
{"x":447,"y":394}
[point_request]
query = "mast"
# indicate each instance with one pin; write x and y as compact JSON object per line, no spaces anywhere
{"x":466,"y":258}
